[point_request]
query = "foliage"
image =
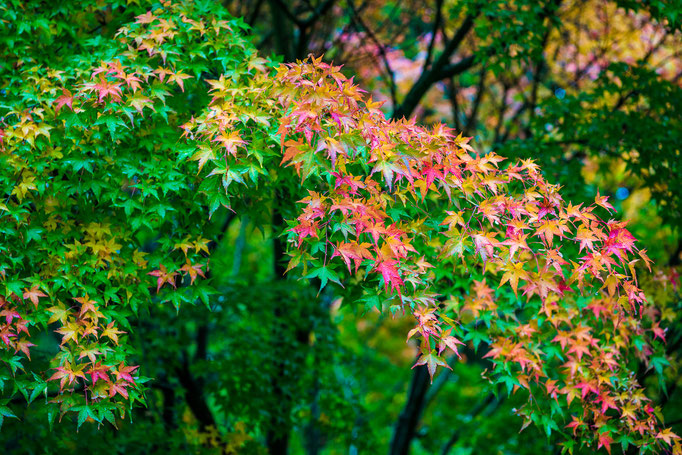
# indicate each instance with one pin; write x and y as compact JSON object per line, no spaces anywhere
{"x":92,"y":176}
{"x":125,"y":156}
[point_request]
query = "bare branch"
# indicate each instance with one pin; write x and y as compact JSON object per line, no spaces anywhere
{"x":477,"y":102}
{"x":441,"y":69}
{"x":434,"y":33}
{"x":382,"y":51}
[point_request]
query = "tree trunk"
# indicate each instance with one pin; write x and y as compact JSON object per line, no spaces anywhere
{"x":406,"y":426}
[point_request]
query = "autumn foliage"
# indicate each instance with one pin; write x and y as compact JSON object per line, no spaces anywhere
{"x":114,"y":165}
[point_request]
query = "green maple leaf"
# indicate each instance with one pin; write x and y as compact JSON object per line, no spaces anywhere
{"x":432,"y":360}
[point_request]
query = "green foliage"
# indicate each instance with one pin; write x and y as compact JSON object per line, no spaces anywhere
{"x":99,"y":201}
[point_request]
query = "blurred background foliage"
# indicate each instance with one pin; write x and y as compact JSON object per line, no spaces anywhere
{"x":590,"y":89}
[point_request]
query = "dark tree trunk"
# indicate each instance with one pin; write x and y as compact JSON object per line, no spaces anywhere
{"x":410,"y":416}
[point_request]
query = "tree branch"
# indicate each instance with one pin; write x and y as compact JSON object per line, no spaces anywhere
{"x":382,"y":51}
{"x":195,"y":396}
{"x":411,"y":414}
{"x":317,"y":12}
{"x":434,"y":33}
{"x":452,"y":96}
{"x":441,"y":69}
{"x":254,"y":14}
{"x":477,"y":102}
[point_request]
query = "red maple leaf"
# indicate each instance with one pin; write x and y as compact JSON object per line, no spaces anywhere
{"x":124,"y":373}
{"x":390,"y":273}
{"x":353,"y":251}
{"x":104,"y":89}
{"x":99,"y":371}
{"x":65,"y":99}
{"x":605,"y":440}
{"x":120,"y":388}
{"x":163,"y":276}
{"x":23,"y":346}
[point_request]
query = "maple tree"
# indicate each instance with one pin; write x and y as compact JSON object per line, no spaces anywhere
{"x":584,"y":96}
{"x":125,"y":159}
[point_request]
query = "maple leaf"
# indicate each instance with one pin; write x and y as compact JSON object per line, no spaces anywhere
{"x":398,"y":245}
{"x":586,"y":238}
{"x":23,"y":346}
{"x":540,"y":284}
{"x":658,"y":331}
{"x":453,"y":219}
{"x":124,"y":373}
{"x":132,"y":81}
{"x":104,"y":89}
{"x":91,"y":352}
{"x":515,"y":243}
{"x":9,"y":315}
{"x":645,"y":258}
{"x":514,"y":272}
{"x":431,"y":360}
{"x":552,"y":389}
{"x":193,"y":270}
{"x":178,"y":78}
{"x":333,"y":148}
{"x":294,"y":148}
{"x":580,"y":349}
{"x":628,"y":411}
{"x":353,"y":183}
{"x":490,"y":210}
{"x":549,"y":228}
{"x":185,"y":245}
{"x":607,"y":402}
{"x":377,"y":230}
{"x":575,"y":424}
{"x":200,"y":245}
{"x":146,"y":18}
{"x":59,"y":313}
{"x":161,"y":73}
{"x":306,"y":229}
{"x":119,"y":387}
{"x":586,"y":388}
{"x":667,"y":435}
{"x":99,"y":371}
{"x":112,"y":332}
{"x":87,"y":305}
{"x":203,"y":155}
{"x":139,"y":102}
{"x":598,"y":308}
{"x":7,"y":335}
{"x":65,"y":99}
{"x":446,"y":340}
{"x":230,"y":141}
{"x":390,"y":273}
{"x":605,"y":440}
{"x":388,"y":170}
{"x":601,"y":201}
{"x":68,"y":374}
{"x":485,"y":244}
{"x":163,"y":277}
{"x":353,"y":251}
{"x":70,"y":331}
{"x":33,"y":294}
